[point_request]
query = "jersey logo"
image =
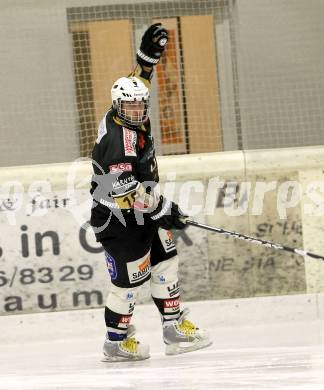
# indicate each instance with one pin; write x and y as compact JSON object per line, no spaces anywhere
{"x":121,"y":167}
{"x":139,"y":269}
{"x":111,"y":265}
{"x":171,"y":305}
{"x":124,"y":321}
{"x":130,"y":138}
{"x":124,"y":184}
{"x":166,"y":238}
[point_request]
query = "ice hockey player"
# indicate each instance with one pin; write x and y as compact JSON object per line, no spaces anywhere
{"x":132,"y":221}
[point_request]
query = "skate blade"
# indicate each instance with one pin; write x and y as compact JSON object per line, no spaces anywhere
{"x":179,"y":348}
{"x":116,"y":359}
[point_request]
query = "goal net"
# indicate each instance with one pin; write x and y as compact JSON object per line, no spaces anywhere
{"x":235,"y":75}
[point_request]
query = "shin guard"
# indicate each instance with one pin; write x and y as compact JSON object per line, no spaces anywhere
{"x":165,"y":289}
{"x":118,"y":311}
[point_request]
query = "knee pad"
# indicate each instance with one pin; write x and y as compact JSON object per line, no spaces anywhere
{"x":164,"y":278}
{"x":122,"y":300}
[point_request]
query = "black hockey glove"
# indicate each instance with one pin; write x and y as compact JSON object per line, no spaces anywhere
{"x":153,"y":44}
{"x":168,"y":216}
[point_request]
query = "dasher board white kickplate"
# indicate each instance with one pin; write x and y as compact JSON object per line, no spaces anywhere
{"x":259,"y":343}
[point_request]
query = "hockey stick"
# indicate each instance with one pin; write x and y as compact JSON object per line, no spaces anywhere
{"x":254,"y":240}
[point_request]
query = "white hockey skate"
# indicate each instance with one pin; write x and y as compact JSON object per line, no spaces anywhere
{"x":183,"y":336}
{"x":127,"y":350}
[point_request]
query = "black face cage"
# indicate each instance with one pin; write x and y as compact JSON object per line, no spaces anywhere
{"x":128,"y":117}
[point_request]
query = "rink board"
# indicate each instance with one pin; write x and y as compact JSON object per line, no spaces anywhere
{"x":48,"y":262}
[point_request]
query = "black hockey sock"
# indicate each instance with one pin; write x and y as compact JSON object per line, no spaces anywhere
{"x":116,"y":324}
{"x":169,"y":308}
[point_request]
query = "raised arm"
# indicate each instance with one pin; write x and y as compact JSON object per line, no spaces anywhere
{"x":151,"y":49}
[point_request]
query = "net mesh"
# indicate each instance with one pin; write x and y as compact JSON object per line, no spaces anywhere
{"x":235,"y":75}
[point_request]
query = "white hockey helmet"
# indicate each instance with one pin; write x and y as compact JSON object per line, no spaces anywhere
{"x":127,"y":92}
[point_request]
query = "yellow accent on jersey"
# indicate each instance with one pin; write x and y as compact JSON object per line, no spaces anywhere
{"x":120,"y":122}
{"x":126,"y":200}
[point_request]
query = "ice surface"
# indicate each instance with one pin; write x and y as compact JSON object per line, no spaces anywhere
{"x":63,"y":351}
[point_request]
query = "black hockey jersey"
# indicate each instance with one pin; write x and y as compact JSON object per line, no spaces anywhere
{"x":122,"y":158}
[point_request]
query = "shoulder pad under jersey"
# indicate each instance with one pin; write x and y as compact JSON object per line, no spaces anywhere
{"x":102,"y":129}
